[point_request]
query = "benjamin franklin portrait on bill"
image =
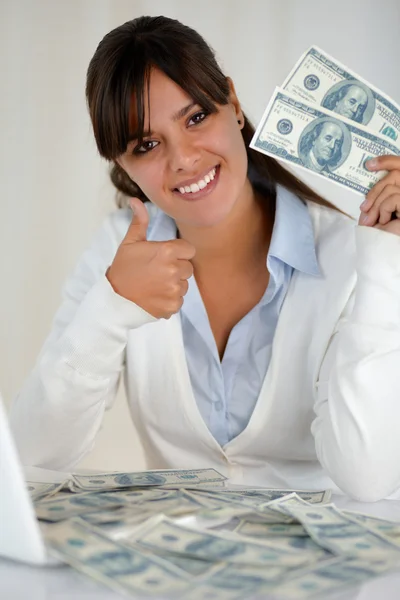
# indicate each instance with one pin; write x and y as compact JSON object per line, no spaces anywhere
{"x":321,"y":145}
{"x":352,"y":100}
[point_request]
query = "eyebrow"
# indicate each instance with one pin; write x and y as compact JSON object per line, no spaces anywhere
{"x":175,"y":117}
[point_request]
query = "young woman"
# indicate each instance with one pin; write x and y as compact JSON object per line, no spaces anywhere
{"x":257,"y":326}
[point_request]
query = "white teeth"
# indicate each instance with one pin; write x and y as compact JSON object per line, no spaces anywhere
{"x":200,"y":185}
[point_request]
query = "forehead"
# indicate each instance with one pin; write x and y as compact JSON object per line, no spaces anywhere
{"x":356,"y":92}
{"x":161,"y":95}
{"x":331,"y":129}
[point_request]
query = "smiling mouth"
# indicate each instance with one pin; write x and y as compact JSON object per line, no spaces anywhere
{"x":198,"y":185}
{"x":208,"y":183}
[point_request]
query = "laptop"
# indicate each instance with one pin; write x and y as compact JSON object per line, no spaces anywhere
{"x":20,"y":535}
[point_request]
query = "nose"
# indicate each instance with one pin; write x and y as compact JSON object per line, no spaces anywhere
{"x":183,"y":153}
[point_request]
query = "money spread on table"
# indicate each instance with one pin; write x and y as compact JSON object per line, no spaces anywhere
{"x":187,"y":534}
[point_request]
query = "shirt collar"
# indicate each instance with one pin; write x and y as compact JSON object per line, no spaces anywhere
{"x":292,"y":236}
{"x":162,"y":228}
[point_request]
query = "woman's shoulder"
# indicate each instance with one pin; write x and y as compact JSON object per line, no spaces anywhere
{"x":329,"y":220}
{"x":335,"y":239}
{"x":108,"y":236}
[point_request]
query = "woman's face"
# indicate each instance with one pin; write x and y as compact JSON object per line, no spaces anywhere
{"x":183,"y":149}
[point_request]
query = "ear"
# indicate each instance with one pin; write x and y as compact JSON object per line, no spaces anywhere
{"x":234,"y":101}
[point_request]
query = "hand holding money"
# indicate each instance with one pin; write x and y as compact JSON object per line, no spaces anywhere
{"x":383,"y":201}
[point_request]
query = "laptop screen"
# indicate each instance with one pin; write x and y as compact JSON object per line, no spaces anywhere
{"x":20,"y":536}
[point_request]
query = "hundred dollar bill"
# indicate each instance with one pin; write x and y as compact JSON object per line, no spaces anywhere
{"x":164,"y":534}
{"x":320,"y":141}
{"x":389,"y":528}
{"x":292,"y":541}
{"x":117,"y":522}
{"x":227,"y":516}
{"x":236,"y":582}
{"x":265,"y":495}
{"x":155,"y":499}
{"x":122,"y":568}
{"x":120,"y":524}
{"x":115,"y":481}
{"x":339,"y":534}
{"x":54,"y":510}
{"x":282,"y":505}
{"x":194,"y":567}
{"x":320,"y":79}
{"x":140,"y":496}
{"x":311,"y":496}
{"x":266,"y":530}
{"x":333,"y":576}
{"x":232,"y":505}
{"x":39,"y":491}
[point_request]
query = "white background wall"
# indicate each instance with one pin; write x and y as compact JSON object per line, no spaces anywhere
{"x":54,"y":188}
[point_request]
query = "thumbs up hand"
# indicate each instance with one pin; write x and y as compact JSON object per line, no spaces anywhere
{"x":153,"y":275}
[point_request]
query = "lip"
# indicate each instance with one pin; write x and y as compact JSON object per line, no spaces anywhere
{"x":205,"y":191}
{"x":194,"y":179}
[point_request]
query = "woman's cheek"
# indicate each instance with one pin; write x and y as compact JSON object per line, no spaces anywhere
{"x":148,"y":180}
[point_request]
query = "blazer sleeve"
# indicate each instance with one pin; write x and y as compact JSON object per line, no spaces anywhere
{"x":59,"y":410}
{"x":357,"y":408}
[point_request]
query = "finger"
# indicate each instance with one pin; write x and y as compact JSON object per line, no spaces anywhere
{"x":388,"y":207}
{"x":184,"y":285}
{"x":185,"y":269}
{"x":375,"y":210}
{"x":391,"y":178}
{"x":181,"y":249}
{"x":387,"y":162}
{"x":137,"y":231}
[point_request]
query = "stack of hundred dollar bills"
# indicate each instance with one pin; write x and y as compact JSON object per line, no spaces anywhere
{"x":327,"y":119}
{"x":186,"y":534}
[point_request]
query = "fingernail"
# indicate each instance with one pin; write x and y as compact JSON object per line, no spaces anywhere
{"x":372,"y":163}
{"x":364,"y":204}
{"x":364,"y":218}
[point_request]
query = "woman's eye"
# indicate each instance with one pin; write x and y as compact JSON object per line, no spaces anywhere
{"x":199,"y":117}
{"x":143,"y":148}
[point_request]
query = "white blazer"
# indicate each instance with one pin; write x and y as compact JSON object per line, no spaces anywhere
{"x":328,"y":414}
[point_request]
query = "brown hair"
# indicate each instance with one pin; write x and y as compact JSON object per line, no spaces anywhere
{"x":120,"y":68}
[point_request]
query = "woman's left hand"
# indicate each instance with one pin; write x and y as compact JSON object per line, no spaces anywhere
{"x":384,"y":198}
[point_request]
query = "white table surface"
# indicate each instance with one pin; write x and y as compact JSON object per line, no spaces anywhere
{"x":22,"y":582}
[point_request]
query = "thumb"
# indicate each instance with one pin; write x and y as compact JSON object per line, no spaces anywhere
{"x":137,"y":231}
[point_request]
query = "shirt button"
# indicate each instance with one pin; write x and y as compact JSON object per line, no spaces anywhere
{"x":218,"y":405}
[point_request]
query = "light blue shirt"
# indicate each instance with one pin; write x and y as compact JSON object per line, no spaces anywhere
{"x":226,"y":391}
